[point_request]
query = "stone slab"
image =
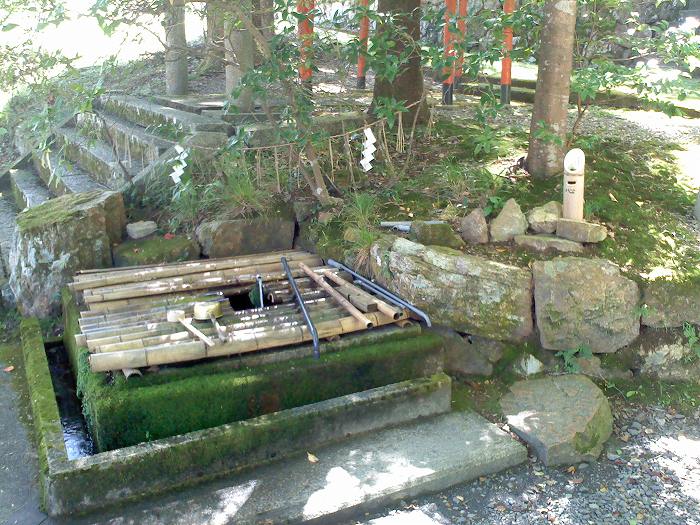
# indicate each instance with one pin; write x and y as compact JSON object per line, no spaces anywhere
{"x":544,"y":243}
{"x":349,"y":478}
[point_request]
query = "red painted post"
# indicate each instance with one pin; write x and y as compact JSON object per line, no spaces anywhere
{"x":306,"y":36}
{"x":361,"y":59}
{"x":462,"y":25}
{"x":449,"y":70}
{"x":506,"y":63}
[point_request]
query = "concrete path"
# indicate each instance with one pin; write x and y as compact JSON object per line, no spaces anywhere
{"x":19,"y":499}
{"x":348,"y":478}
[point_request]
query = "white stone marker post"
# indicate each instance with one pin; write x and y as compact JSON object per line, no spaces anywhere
{"x":574,"y":167}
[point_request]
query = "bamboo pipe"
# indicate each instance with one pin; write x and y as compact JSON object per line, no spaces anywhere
{"x":331,"y":291}
{"x":137,"y":279}
{"x":187,"y":283}
{"x":119,"y":335}
{"x":282,"y":321}
{"x":268,"y":255}
{"x":140,"y":274}
{"x":395,"y":313}
{"x":189,"y":351}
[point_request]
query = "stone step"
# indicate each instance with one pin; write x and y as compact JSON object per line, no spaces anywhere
{"x":171,"y":123}
{"x":28,"y":189}
{"x":8,"y":224}
{"x":63,"y":177}
{"x":132,"y":141}
{"x":96,"y":157}
{"x":349,"y":478}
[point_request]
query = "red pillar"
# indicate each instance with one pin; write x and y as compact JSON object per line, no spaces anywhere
{"x":462,"y":25}
{"x":449,"y":71}
{"x":361,"y":59}
{"x":506,"y":63}
{"x":306,"y":36}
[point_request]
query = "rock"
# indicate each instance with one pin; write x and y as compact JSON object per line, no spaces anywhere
{"x":56,"y":239}
{"x":206,"y":143}
{"x":590,"y":366}
{"x":435,"y":234}
{"x":528,"y":365}
{"x":155,"y":250}
{"x":141,"y":229}
{"x":466,"y":293}
{"x":545,"y":243}
{"x":489,"y":348}
{"x":696,"y":211}
{"x":671,"y":304}
{"x":565,"y":419}
{"x":509,"y":223}
{"x":474,"y":229}
{"x":245,"y":236}
{"x":666,"y":355}
{"x":581,"y":231}
{"x":584,"y":302}
{"x":461,"y":357}
{"x":543,"y":219}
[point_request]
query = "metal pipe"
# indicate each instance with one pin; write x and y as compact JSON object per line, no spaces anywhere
{"x":380,"y":290}
{"x":302,"y":307}
{"x":259,"y":279}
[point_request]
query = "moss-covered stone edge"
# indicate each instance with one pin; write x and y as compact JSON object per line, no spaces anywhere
{"x":45,"y":416}
{"x":150,"y":468}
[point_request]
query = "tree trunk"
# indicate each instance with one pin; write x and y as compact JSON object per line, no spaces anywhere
{"x":215,"y":38}
{"x":176,"y":49}
{"x":408,"y":85}
{"x":240,"y":58}
{"x":545,"y":156}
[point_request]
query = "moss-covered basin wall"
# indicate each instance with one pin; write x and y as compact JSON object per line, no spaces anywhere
{"x":156,"y":406}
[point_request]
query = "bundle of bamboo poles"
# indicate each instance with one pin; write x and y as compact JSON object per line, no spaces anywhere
{"x":144,"y":316}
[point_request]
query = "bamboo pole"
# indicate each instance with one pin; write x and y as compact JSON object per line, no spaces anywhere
{"x":123,"y":334}
{"x":272,"y":256}
{"x":332,"y":292}
{"x":385,"y":308}
{"x":189,"y":351}
{"x":142,"y":275}
{"x":187,"y":283}
{"x":278,"y":322}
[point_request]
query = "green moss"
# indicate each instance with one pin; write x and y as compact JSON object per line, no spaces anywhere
{"x":155,"y":250}
{"x":46,"y":419}
{"x":55,"y":211}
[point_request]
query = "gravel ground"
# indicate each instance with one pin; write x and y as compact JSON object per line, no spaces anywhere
{"x":649,"y":474}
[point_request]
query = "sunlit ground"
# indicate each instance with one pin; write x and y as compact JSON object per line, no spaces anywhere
{"x":81,"y":36}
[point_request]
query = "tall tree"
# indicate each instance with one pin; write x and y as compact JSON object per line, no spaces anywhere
{"x":406,"y":83}
{"x":548,"y":128}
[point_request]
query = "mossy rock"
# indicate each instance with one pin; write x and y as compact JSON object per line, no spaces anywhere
{"x":155,"y":250}
{"x":671,"y":304}
{"x":435,"y":234}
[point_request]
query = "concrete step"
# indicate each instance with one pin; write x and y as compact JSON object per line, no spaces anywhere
{"x":8,"y":223}
{"x":171,"y":123}
{"x":28,"y":189}
{"x":63,"y":177}
{"x":132,"y":141}
{"x":97,"y":158}
{"x":351,"y":477}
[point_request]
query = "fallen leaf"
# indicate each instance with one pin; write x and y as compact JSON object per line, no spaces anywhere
{"x":460,"y":498}
{"x":168,"y":236}
{"x":571,"y":469}
{"x":8,"y":369}
{"x":576,"y":481}
{"x":311,"y":458}
{"x":625,"y":437}
{"x":501,"y":508}
{"x":612,"y":197}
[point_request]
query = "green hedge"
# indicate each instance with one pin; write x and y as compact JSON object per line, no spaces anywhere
{"x":205,"y":395}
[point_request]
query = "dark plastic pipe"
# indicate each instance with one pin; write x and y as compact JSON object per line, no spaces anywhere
{"x":302,"y":307}
{"x":380,"y":290}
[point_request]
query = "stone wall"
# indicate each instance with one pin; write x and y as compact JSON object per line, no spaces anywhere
{"x":564,"y":303}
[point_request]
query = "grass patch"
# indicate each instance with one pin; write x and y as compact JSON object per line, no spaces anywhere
{"x":682,"y":396}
